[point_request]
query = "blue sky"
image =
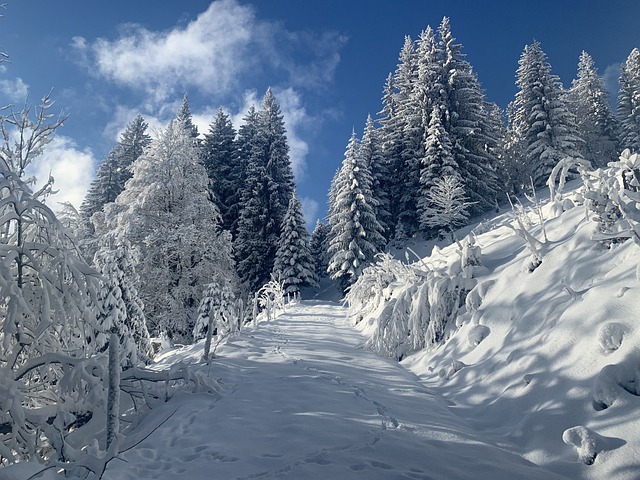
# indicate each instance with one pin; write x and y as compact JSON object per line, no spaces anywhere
{"x":327,"y":61}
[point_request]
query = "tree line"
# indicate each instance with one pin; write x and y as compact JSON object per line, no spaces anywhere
{"x":439,"y":152}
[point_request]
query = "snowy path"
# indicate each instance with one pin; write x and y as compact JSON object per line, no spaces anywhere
{"x":303,"y":400}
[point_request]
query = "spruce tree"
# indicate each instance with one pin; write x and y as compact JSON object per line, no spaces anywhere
{"x":185,"y":118}
{"x":272,"y":142}
{"x":222,"y":160}
{"x":629,"y":102}
{"x":318,"y":248}
{"x":548,"y":126}
{"x":372,"y":155}
{"x":166,"y":212}
{"x":256,"y":240}
{"x":438,"y":161}
{"x":114,"y":172}
{"x":466,"y":119}
{"x":595,"y":122}
{"x":293,"y":265}
{"x":356,"y":236}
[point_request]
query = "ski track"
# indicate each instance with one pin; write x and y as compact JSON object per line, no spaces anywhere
{"x":303,"y":399}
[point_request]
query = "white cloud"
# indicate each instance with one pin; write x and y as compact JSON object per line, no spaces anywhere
{"x":71,"y":167}
{"x":611,"y":78}
{"x":14,"y":90}
{"x":208,"y":52}
{"x":310,"y":208}
{"x":215,"y":53}
{"x":295,"y":118}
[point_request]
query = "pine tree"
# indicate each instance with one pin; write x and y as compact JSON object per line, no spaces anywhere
{"x":513,"y":167}
{"x":272,"y":140}
{"x":466,"y":119}
{"x":372,"y":155}
{"x":548,"y":126}
{"x":356,"y":236}
{"x":293,"y":265}
{"x":595,"y":122}
{"x":166,"y":212}
{"x":185,"y":118}
{"x":318,"y":248}
{"x":225,"y":169}
{"x":437,"y":163}
{"x":629,"y":102}
{"x":114,"y":172}
{"x":255,"y":244}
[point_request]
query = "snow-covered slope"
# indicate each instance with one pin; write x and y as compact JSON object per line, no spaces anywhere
{"x":544,"y":351}
{"x":302,"y":399}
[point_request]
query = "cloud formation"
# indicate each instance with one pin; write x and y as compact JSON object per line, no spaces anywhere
{"x":212,"y":53}
{"x":71,"y":168}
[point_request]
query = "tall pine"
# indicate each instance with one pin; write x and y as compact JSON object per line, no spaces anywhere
{"x":595,"y":121}
{"x":545,"y":121}
{"x":356,"y":236}
{"x":629,"y":102}
{"x":294,"y":265}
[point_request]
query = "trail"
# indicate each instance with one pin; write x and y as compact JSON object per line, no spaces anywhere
{"x":302,"y":399}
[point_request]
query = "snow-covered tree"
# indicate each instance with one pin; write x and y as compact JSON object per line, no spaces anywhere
{"x":446,"y":205}
{"x":256,"y":242}
{"x":542,"y":114}
{"x":122,"y":309}
{"x":216,"y":313}
{"x":356,"y":235}
{"x":318,"y":248}
{"x":114,"y":172}
{"x":268,"y":187}
{"x":372,"y":155}
{"x":166,"y":212}
{"x":48,"y":294}
{"x":629,"y":102}
{"x":274,"y":149}
{"x":595,"y":122}
{"x":466,"y":118}
{"x":437,"y":163}
{"x":293,"y":264}
{"x":225,"y":169}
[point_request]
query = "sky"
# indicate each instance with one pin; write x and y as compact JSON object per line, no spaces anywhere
{"x":326,"y":61}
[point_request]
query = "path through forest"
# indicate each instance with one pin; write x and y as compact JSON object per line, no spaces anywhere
{"x":302,"y":399}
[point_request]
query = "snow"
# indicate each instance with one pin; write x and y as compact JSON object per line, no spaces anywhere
{"x":539,"y":378}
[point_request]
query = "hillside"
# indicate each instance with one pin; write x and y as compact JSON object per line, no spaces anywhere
{"x":535,"y":353}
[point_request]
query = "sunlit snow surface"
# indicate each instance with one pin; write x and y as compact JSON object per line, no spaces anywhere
{"x":302,"y":399}
{"x":537,"y":383}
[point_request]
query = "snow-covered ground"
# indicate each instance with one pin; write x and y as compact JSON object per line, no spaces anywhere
{"x":303,"y":399}
{"x":546,"y":363}
{"x":540,"y":380}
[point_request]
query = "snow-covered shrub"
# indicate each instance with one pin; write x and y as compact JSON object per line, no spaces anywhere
{"x":271,"y":297}
{"x":371,"y":288}
{"x":412,"y":306}
{"x":523,"y":229}
{"x":586,"y":442}
{"x":476,"y":334}
{"x":216,"y":313}
{"x":612,"y":195}
{"x":610,"y":336}
{"x":476,"y":296}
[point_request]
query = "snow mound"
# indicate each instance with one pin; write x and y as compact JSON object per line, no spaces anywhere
{"x":613,"y":381}
{"x":586,"y":442}
{"x":610,"y":336}
{"x":476,"y":295}
{"x":476,"y":334}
